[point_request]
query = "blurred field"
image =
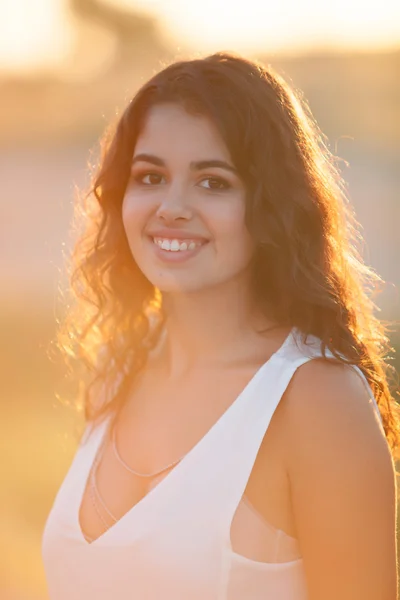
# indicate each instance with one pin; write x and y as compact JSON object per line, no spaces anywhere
{"x":48,"y":124}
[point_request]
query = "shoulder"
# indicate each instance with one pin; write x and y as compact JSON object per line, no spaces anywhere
{"x":330,"y":398}
{"x":334,"y":441}
{"x":342,"y":481}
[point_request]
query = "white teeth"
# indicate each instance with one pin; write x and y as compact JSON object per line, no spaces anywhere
{"x":174,"y":245}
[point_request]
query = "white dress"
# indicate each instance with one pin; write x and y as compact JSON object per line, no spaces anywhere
{"x":176,"y":543}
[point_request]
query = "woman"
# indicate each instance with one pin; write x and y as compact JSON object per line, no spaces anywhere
{"x":241,"y":432}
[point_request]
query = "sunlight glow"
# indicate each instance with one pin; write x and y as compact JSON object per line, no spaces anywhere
{"x":33,"y":33}
{"x":285,"y":25}
{"x":39,"y":32}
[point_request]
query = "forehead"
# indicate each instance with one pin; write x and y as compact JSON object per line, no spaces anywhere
{"x":170,"y":130}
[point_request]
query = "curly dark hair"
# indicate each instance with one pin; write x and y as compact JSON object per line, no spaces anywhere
{"x":308,"y":272}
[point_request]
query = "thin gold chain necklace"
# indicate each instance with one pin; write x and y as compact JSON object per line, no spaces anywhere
{"x":94,"y":488}
{"x":137,"y":473}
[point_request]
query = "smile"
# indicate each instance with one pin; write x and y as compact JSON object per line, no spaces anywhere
{"x":174,"y":245}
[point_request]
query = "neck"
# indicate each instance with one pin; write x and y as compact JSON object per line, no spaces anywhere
{"x":201,"y":327}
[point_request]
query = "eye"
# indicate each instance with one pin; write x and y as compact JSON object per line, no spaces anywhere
{"x":150,"y":179}
{"x":215,"y":183}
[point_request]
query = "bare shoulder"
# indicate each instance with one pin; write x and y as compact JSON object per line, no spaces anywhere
{"x":329,"y":401}
{"x":342,"y":483}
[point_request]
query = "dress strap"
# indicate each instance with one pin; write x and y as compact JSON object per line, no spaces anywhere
{"x":259,"y":412}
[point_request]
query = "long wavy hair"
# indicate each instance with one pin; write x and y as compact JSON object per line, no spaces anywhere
{"x":308,"y":272}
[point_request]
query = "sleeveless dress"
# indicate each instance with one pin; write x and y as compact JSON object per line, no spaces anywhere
{"x":176,"y":542}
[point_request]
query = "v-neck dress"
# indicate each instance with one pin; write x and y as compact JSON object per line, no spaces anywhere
{"x":175,"y":543}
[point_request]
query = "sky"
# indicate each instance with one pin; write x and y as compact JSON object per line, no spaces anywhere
{"x":35,"y":33}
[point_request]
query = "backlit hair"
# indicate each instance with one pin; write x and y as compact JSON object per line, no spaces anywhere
{"x":307,"y":270}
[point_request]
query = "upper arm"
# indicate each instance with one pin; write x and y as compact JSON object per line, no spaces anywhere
{"x":342,"y":483}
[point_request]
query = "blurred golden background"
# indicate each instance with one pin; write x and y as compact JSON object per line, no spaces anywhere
{"x":65,"y":67}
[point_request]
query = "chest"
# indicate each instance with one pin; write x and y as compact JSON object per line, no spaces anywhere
{"x":162,"y":420}
{"x":182,"y":533}
{"x":161,"y":423}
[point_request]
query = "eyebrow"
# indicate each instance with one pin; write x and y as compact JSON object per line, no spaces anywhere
{"x":195,"y":166}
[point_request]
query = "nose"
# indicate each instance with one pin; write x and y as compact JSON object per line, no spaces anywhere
{"x":174,"y":206}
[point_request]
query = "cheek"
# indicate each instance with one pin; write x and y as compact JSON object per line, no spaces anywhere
{"x":135,"y":213}
{"x":228,"y":226}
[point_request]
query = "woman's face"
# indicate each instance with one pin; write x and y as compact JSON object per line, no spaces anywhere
{"x":184,"y":207}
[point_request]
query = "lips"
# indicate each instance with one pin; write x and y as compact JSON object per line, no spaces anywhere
{"x":176,"y":240}
{"x":176,"y":245}
{"x":177,"y":234}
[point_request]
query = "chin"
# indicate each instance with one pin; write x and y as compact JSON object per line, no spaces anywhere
{"x":169,"y":285}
